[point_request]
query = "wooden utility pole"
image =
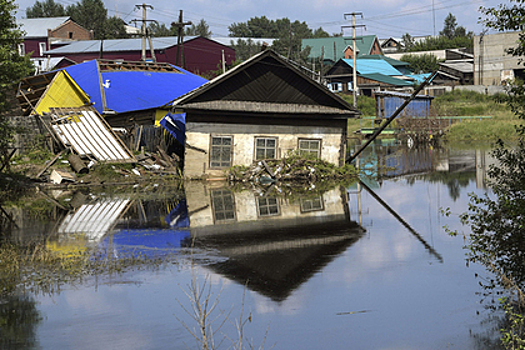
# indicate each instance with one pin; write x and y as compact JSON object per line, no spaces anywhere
{"x":180,"y":40}
{"x":392,"y":117}
{"x":144,"y":31}
{"x":354,"y":53}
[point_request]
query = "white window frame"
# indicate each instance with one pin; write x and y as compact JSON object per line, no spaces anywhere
{"x":21,"y":49}
{"x":42,"y":48}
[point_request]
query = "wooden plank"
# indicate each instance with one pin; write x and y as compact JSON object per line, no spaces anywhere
{"x":50,"y":163}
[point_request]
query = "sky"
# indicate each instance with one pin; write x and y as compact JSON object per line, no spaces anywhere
{"x":383,"y":18}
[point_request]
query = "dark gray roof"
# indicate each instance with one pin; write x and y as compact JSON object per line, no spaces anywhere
{"x":266,"y":83}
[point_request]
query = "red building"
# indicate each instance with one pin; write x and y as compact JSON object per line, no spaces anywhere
{"x":202,"y":56}
{"x":42,"y":33}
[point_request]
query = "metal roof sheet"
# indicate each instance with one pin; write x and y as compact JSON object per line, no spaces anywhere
{"x":391,"y":61}
{"x":89,"y":135}
{"x":115,"y":45}
{"x":371,"y":66}
{"x":37,"y":27}
{"x":387,"y":79}
{"x":334,"y":47}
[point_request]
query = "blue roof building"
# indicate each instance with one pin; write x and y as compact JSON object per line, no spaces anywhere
{"x":144,"y":90}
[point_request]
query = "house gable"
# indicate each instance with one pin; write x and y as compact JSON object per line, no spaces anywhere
{"x":266,"y":83}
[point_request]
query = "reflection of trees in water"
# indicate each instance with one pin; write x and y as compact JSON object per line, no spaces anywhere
{"x":497,"y":239}
{"x":18,"y":320}
{"x":454,"y":181}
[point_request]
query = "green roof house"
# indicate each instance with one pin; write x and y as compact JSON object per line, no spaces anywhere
{"x":334,"y":48}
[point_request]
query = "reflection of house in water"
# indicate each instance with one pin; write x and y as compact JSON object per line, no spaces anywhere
{"x":274,"y":244}
{"x":387,"y":161}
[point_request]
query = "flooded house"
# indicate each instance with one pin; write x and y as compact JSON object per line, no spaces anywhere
{"x":263,"y":108}
{"x":133,"y":96}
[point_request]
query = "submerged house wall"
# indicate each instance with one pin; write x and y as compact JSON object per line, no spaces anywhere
{"x":201,"y":153}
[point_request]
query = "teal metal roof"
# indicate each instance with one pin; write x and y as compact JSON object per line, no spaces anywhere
{"x":371,"y":66}
{"x":391,"y":61}
{"x":334,"y":47}
{"x":387,"y":79}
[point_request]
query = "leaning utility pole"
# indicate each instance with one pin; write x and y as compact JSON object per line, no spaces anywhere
{"x":354,"y":53}
{"x":180,"y":39}
{"x":144,"y":31}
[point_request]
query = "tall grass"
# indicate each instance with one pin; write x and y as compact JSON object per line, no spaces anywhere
{"x":469,"y":103}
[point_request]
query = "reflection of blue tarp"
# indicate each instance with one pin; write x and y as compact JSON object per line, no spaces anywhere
{"x":178,"y":217}
{"x":153,"y":242}
{"x":150,"y":243}
{"x":176,"y":126}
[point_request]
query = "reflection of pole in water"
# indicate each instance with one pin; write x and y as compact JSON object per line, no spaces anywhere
{"x":403,"y":222}
{"x":359,"y":196}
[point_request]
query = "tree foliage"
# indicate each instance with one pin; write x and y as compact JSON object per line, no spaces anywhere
{"x":288,"y":34}
{"x":90,"y":14}
{"x":200,"y":29}
{"x":245,"y":49}
{"x":12,"y":67}
{"x":159,"y":30}
{"x":497,"y":239}
{"x":47,"y":8}
{"x":451,"y":37}
{"x":421,"y":63}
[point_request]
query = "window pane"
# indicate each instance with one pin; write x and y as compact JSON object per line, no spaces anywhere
{"x":216,"y":141}
{"x":259,"y":154}
{"x":270,"y":154}
{"x":270,"y":143}
{"x":227,"y":141}
{"x":260,"y":142}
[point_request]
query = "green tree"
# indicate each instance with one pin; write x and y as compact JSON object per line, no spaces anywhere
{"x":201,"y":29}
{"x":449,"y":29}
{"x":497,"y":239}
{"x":115,"y":28}
{"x":90,"y":14}
{"x":12,"y":68}
{"x":47,"y":8}
{"x":245,"y":49}
{"x":421,"y":63}
{"x":320,"y":33}
{"x":160,"y":30}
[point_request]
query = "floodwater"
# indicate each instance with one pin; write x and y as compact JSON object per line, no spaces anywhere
{"x":360,"y":266}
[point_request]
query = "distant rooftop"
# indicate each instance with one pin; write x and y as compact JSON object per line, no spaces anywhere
{"x":37,"y":27}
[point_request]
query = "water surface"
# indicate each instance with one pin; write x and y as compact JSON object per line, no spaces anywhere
{"x":364,"y":266}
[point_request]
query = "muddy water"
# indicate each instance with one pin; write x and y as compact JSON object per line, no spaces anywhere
{"x":362,"y":266}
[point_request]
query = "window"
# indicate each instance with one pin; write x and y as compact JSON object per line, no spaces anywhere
{"x":21,"y":49}
{"x":70,"y":35}
{"x":221,"y":151}
{"x":310,"y":147}
{"x":42,"y":47}
{"x":223,"y":205}
{"x":268,"y":206}
{"x":313,"y":204}
{"x":265,"y":148}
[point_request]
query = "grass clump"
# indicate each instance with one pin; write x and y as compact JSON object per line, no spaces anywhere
{"x":469,"y":103}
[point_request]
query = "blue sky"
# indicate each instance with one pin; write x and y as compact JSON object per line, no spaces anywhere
{"x":384,"y":18}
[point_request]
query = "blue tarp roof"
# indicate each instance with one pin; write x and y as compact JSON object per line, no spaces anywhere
{"x":371,"y":66}
{"x":126,"y":91}
{"x":175,"y":124}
